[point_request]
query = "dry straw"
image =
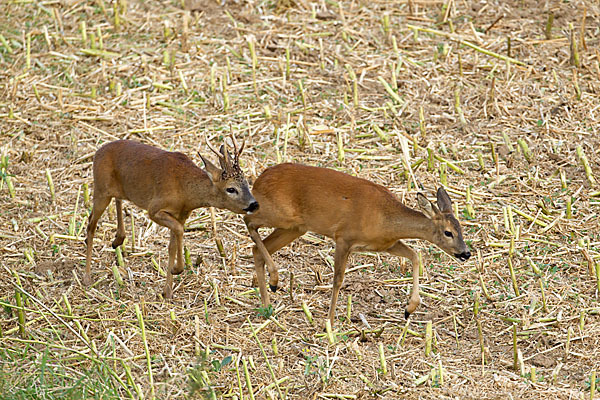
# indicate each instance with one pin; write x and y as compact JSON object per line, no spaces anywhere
{"x":498,"y":106}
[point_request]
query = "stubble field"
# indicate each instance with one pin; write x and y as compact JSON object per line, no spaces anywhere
{"x":499,"y":101}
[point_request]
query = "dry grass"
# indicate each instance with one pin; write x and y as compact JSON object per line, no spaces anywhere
{"x":507,"y":130}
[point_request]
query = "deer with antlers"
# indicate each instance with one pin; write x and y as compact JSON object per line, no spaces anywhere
{"x":169,"y":186}
{"x":356,"y":213}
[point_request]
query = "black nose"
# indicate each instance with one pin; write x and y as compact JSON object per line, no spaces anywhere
{"x":252,"y":207}
{"x":464,"y":256}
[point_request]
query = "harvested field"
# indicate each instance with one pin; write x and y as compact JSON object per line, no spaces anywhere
{"x":499,"y":101}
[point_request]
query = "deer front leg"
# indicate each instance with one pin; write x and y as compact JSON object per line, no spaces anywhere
{"x":402,"y":250}
{"x":260,"y":254}
{"x":175,"y":247}
{"x":342,"y":251}
{"x":276,"y":240}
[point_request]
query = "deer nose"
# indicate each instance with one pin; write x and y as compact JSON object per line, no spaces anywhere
{"x":252,"y":207}
{"x":464,"y":256}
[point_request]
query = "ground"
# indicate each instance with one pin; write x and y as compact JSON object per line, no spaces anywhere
{"x":497,"y":101}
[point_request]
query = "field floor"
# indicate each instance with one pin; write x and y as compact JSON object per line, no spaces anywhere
{"x":499,"y":101}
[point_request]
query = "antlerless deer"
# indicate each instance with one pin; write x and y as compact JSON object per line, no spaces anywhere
{"x":169,"y":186}
{"x":356,"y":213}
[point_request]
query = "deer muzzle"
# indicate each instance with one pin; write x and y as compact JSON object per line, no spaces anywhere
{"x":252,"y":207}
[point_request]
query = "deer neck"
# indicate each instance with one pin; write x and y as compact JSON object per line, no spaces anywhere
{"x":202,"y":191}
{"x":411,"y":224}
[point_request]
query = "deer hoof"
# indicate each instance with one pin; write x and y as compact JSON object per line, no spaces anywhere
{"x":177,"y":270}
{"x":117,"y":242}
{"x":87,"y":280}
{"x":273,"y":288}
{"x":406,"y":314}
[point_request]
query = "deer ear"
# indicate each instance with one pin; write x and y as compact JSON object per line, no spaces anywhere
{"x":443,"y":201}
{"x":214,"y":173}
{"x":427,"y":207}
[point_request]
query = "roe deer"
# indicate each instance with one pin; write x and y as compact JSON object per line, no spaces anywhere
{"x":356,"y":213}
{"x":169,"y":186}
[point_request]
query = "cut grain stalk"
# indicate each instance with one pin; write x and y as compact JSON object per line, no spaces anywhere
{"x":466,"y":43}
{"x":28,"y":52}
{"x":6,"y":45}
{"x":428,"y":337}
{"x":50,"y":185}
{"x":394,"y":79}
{"x":481,"y":341}
{"x":247,"y":378}
{"x":115,"y":267}
{"x":513,"y":278}
{"x":187,"y":256}
{"x":597,"y":267}
{"x":568,"y":342}
{"x":140,"y":319}
{"x":302,"y":95}
{"x":99,"y":53}
{"x":20,"y":310}
{"x":443,"y":177}
{"x":515,"y":348}
{"x":534,"y":267}
{"x":586,"y":165}
{"x":264,"y":354}
{"x":532,"y":374}
{"x":83,"y":30}
{"x":390,"y":91}
{"x":379,"y":132}
{"x":287,"y":63}
{"x":458,"y":108}
{"x":525,"y":149}
{"x":569,"y":206}
{"x":573,"y":47}
{"x":321,"y":55}
{"x":576,"y":85}
{"x":549,"y":23}
{"x":592,"y":384}
{"x":382,"y":361}
{"x":430,"y":163}
{"x":340,"y":146}
{"x":251,"y":40}
{"x":117,"y":16}
{"x":542,"y":286}
{"x":507,"y":142}
{"x":469,"y":203}
{"x":480,"y":161}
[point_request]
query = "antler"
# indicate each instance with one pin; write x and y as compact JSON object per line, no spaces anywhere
{"x":210,"y":146}
{"x":235,"y":147}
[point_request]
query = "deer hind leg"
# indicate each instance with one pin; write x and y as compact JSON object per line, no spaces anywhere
{"x":402,"y":250}
{"x":168,"y":289}
{"x":342,"y":252}
{"x":163,"y":218}
{"x":120,"y":226}
{"x":98,"y":207}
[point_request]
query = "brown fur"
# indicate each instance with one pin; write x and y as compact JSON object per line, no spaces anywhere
{"x":354,"y":212}
{"x":166,"y":184}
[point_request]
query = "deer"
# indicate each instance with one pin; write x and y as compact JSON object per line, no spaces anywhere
{"x":169,"y":186}
{"x":356,"y":213}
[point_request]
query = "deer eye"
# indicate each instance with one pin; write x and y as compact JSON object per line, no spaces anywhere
{"x":448,"y":233}
{"x":231,"y":190}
